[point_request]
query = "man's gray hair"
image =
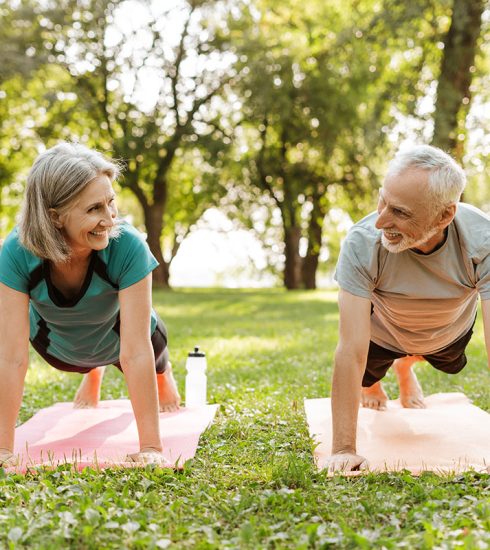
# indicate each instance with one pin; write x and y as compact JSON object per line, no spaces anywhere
{"x":447,"y":179}
{"x":56,"y":178}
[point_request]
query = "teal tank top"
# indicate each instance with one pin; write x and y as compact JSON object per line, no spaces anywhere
{"x":84,"y":330}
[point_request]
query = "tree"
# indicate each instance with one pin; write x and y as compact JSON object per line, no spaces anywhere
{"x":457,"y":67}
{"x":21,"y":59}
{"x":317,"y":106}
{"x":149,"y":91}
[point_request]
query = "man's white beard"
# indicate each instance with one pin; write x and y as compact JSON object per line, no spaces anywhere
{"x":407,"y":242}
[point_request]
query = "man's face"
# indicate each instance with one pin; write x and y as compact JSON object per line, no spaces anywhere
{"x":405,"y":217}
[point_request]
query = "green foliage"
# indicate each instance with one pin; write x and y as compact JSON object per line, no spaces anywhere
{"x":115,"y":65}
{"x":252,"y":483}
{"x":322,"y":91}
{"x":146,"y":90}
{"x":291,"y":109}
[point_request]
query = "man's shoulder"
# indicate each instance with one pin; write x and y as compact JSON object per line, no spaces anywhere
{"x":358,"y":263}
{"x":473,"y":227}
{"x":364,"y":233}
{"x":467,"y":213}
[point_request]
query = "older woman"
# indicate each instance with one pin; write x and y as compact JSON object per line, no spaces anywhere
{"x":77,"y":284}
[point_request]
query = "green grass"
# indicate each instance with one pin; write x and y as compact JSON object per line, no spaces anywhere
{"x":252,"y":483}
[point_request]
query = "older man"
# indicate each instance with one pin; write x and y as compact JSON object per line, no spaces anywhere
{"x":409,"y":277}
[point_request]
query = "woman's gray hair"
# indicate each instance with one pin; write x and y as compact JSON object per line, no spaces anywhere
{"x":447,"y":179}
{"x":56,"y":178}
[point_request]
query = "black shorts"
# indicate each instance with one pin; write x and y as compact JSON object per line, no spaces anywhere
{"x":451,"y":359}
{"x":158,"y":340}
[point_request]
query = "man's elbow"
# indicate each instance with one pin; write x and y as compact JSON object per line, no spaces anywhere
{"x":350,"y":357}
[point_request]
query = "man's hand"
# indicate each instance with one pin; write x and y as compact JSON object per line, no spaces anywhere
{"x":7,"y":458}
{"x":147,"y":457}
{"x":350,"y":364}
{"x":345,"y":462}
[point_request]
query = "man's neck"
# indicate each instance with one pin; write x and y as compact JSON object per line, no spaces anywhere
{"x":433,"y":244}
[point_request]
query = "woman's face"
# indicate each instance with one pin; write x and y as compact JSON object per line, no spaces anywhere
{"x":88,"y":220}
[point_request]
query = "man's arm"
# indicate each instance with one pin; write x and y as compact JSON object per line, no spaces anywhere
{"x":350,"y":363}
{"x":138,"y":365}
{"x":485,"y":307}
{"x":14,"y":355}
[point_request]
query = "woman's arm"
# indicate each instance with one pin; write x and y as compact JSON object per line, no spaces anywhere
{"x":14,"y":356}
{"x":138,"y":362}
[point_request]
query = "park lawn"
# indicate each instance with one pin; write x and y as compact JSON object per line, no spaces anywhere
{"x":252,"y":483}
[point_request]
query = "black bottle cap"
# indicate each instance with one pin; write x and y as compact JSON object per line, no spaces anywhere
{"x":196,"y":353}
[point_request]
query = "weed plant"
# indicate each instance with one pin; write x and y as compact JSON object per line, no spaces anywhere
{"x":253,"y":483}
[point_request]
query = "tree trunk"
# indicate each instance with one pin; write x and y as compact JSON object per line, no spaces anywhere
{"x":310,"y":262}
{"x":453,"y":89}
{"x":292,"y":269}
{"x":154,"y":225}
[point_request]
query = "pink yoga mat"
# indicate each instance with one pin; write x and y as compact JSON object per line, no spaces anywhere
{"x":103,"y":436}
{"x":450,"y":435}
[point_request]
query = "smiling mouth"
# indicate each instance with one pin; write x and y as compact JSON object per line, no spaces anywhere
{"x":392,"y":235}
{"x":98,"y":233}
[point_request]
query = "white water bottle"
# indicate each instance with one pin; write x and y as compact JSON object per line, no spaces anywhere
{"x":195,"y":381}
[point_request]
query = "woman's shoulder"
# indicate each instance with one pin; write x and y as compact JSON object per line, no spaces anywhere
{"x":126,"y":237}
{"x":12,"y":239}
{"x":128,"y":257}
{"x":128,"y":242}
{"x":17,"y":264}
{"x":14,"y":248}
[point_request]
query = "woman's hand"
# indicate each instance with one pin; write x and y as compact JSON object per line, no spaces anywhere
{"x":147,"y":456}
{"x":138,"y":361}
{"x":7,"y":458}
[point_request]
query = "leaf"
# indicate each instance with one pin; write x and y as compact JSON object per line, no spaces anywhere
{"x":15,"y":534}
{"x":130,"y":527}
{"x":92,"y":516}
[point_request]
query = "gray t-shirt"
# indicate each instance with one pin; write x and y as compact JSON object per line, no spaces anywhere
{"x":421,"y":303}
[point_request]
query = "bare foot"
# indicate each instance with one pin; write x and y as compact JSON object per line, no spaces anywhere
{"x":374,"y":397}
{"x":411,"y":394}
{"x":88,"y":394}
{"x":7,"y":458}
{"x":345,"y":462}
{"x":147,"y":457}
{"x":168,"y":394}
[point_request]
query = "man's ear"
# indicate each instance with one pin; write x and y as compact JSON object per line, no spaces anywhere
{"x":447,"y":215}
{"x":55,"y":218}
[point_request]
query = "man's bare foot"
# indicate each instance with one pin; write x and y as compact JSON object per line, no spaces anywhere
{"x":168,"y":394}
{"x":88,"y":394}
{"x":374,"y":397}
{"x":411,"y":394}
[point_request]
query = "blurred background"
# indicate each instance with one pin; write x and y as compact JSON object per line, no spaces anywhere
{"x":253,"y":132}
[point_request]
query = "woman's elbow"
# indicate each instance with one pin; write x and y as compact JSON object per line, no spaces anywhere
{"x":134,"y":358}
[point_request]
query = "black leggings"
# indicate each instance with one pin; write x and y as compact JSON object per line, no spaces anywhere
{"x":158,"y":340}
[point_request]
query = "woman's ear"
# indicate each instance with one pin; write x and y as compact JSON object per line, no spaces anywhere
{"x":55,"y":218}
